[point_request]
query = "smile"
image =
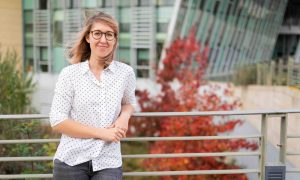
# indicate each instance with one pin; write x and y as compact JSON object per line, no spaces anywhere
{"x":102,"y":46}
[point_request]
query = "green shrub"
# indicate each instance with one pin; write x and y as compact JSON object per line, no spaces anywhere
{"x":245,"y":75}
{"x":16,"y":88}
{"x":15,"y":98}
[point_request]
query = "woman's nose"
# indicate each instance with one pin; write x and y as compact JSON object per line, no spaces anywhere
{"x":103,"y":38}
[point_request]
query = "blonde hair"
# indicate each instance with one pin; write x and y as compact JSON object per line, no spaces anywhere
{"x":81,"y":50}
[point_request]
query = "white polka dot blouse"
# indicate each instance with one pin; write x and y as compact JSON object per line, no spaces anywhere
{"x":81,"y":97}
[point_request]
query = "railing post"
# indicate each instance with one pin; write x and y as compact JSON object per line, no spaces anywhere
{"x":290,"y":70}
{"x":283,"y":139}
{"x":263,"y":146}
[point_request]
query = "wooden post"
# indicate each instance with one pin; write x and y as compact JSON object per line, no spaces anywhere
{"x":257,"y":74}
{"x":270,"y":74}
{"x":280,"y":73}
{"x":290,"y":72}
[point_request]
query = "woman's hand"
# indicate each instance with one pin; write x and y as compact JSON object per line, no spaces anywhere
{"x":122,"y":123}
{"x":111,"y":134}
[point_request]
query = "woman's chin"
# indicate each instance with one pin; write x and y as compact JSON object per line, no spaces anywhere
{"x":102,"y":56}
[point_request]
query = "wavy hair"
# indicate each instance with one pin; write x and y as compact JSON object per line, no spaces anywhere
{"x":81,"y":50}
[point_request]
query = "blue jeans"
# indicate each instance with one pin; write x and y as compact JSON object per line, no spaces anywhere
{"x":84,"y":171}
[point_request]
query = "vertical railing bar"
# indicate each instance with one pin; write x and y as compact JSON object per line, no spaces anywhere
{"x":283,"y":139}
{"x":263,"y":146}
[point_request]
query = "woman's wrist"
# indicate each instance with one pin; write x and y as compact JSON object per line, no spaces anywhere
{"x":99,"y":133}
{"x":125,"y":115}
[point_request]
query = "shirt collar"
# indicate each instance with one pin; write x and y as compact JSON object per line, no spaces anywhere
{"x":112,"y":67}
{"x":85,"y":67}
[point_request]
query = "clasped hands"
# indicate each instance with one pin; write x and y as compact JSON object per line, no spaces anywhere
{"x":116,"y":131}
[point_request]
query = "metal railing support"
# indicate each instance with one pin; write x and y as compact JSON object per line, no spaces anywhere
{"x":283,"y":139}
{"x":263,"y":146}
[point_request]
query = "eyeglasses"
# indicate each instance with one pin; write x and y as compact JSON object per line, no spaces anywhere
{"x":108,"y":35}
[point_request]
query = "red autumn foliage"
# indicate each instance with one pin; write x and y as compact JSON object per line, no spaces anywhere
{"x":180,"y":79}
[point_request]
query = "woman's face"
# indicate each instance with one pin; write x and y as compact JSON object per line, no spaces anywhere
{"x":101,"y":39}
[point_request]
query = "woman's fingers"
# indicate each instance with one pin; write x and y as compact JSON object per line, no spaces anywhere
{"x":119,"y":133}
{"x":123,"y":132}
{"x":112,"y":125}
{"x":116,"y":134}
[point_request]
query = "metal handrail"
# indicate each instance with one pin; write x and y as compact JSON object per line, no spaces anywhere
{"x":183,"y":138}
{"x":163,"y":114}
{"x":261,"y":137}
{"x":151,"y":173}
{"x":131,"y":156}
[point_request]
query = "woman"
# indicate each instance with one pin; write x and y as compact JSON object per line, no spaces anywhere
{"x":93,"y":101}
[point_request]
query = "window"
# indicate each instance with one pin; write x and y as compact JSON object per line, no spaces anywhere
{"x":57,"y":4}
{"x":58,"y":33}
{"x":216,"y":7}
{"x":159,"y":47}
{"x":43,"y":4}
{"x":124,"y":3}
{"x":28,"y":27}
{"x":143,"y":63}
{"x":28,"y":64}
{"x":72,"y":4}
{"x":165,"y":2}
{"x":162,"y":27}
{"x":201,"y":5}
{"x":89,"y":4}
{"x":124,"y":54}
{"x":124,"y":27}
{"x":143,"y":3}
{"x":28,"y":5}
{"x":58,"y":27}
{"x":43,"y":62}
{"x":143,"y":56}
{"x":107,"y":3}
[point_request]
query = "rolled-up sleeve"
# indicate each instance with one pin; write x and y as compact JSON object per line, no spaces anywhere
{"x":62,"y":100}
{"x":129,"y":92}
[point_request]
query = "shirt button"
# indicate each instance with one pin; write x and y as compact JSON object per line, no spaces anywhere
{"x":101,"y":84}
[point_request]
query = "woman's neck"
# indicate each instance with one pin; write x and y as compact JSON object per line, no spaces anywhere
{"x":96,"y":64}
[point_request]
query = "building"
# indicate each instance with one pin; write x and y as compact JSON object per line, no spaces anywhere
{"x":288,"y":43}
{"x":50,"y":26}
{"x":237,"y":32}
{"x":11,"y":28}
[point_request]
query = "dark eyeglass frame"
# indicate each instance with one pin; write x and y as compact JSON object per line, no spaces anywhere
{"x":101,"y":33}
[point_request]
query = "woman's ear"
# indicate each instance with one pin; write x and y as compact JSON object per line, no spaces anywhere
{"x":87,"y":38}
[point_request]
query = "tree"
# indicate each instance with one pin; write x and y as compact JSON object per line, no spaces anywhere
{"x":181,"y":81}
{"x":15,"y":98}
{"x":16,"y":88}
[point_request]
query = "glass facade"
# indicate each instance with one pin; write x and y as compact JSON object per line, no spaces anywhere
{"x":288,"y":42}
{"x":237,"y":31}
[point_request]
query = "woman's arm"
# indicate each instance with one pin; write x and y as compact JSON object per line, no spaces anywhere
{"x":78,"y":130}
{"x":128,"y":103}
{"x":123,"y":119}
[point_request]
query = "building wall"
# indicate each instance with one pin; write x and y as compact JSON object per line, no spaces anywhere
{"x":274,"y":98}
{"x":52,"y":25}
{"x":11,"y":26}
